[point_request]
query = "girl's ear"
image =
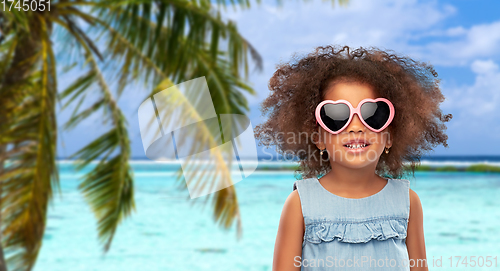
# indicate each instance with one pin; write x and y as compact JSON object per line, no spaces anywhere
{"x":389,"y":138}
{"x":320,"y":145}
{"x":317,"y":139}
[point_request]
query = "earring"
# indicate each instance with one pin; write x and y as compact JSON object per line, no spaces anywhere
{"x":386,"y":150}
{"x":321,"y":152}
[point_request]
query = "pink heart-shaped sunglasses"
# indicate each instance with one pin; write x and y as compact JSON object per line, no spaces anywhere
{"x":335,"y":116}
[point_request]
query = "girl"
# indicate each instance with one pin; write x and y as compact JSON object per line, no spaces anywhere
{"x":353,"y":117}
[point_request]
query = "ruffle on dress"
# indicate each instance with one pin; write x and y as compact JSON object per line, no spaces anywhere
{"x":356,"y":232}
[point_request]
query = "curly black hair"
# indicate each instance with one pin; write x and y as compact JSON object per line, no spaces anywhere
{"x":298,"y":87}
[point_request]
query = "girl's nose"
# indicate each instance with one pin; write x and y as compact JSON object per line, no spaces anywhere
{"x":356,"y":125}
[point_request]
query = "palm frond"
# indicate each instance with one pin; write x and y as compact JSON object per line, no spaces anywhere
{"x":221,"y":211}
{"x":168,"y":45}
{"x":205,"y":136}
{"x":31,"y":174}
{"x":108,"y":188}
{"x":223,"y":105}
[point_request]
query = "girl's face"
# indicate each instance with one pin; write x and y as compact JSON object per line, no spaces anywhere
{"x":335,"y":144}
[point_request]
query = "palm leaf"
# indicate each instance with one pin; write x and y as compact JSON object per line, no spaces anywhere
{"x":108,"y":188}
{"x":221,"y":214}
{"x":31,"y":173}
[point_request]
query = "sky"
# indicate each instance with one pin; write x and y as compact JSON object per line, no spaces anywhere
{"x":460,"y":38}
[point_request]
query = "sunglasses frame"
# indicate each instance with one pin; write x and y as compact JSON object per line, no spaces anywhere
{"x":353,"y":111}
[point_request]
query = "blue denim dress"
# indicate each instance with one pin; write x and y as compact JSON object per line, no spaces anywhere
{"x":354,"y":234}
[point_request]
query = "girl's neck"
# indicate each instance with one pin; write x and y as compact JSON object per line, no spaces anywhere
{"x":354,"y":182}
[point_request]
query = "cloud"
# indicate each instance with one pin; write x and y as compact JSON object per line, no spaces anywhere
{"x":298,"y":27}
{"x":366,"y":22}
{"x":484,"y":67}
{"x":456,"y":31}
{"x":478,"y":41}
{"x":475,"y":106}
{"x":410,"y":27}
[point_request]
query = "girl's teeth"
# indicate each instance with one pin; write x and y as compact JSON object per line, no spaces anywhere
{"x":356,"y":146}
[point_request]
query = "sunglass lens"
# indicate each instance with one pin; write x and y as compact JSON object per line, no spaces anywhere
{"x":375,"y":114}
{"x":334,"y":116}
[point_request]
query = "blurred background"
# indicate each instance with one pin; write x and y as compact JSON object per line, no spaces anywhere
{"x":79,"y":193}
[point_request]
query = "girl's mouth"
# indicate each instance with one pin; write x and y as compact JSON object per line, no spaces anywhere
{"x":356,"y":148}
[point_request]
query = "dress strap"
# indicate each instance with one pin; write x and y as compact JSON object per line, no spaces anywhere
{"x":308,"y":192}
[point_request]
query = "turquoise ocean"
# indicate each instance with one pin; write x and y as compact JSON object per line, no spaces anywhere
{"x":169,"y":231}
